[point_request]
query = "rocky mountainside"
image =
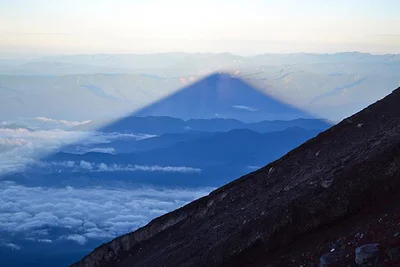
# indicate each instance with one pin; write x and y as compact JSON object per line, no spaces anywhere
{"x":333,"y":201}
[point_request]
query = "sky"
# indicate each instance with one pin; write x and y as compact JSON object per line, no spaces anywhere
{"x":237,"y":26}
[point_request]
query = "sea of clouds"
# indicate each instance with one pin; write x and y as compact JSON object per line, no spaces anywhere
{"x":87,"y":213}
{"x":81,"y":215}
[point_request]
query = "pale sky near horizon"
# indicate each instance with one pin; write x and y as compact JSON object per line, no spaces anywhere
{"x":236,"y":26}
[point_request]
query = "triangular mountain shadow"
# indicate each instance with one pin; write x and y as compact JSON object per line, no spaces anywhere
{"x":221,"y":95}
{"x":217,"y":96}
{"x":232,"y":102}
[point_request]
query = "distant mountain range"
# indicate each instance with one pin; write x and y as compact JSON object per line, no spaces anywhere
{"x":163,"y":124}
{"x":85,"y":87}
{"x":240,"y":146}
{"x":80,"y":64}
{"x":217,"y":156}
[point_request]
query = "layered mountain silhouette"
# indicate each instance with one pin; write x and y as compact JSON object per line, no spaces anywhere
{"x":333,"y":187}
{"x":162,"y":124}
{"x":240,"y":146}
{"x":218,"y":157}
{"x":201,"y":129}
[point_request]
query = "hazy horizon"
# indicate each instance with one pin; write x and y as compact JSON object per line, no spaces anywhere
{"x":31,"y":56}
{"x":46,"y":27}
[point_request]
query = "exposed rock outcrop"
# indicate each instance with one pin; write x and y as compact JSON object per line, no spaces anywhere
{"x":367,"y":255}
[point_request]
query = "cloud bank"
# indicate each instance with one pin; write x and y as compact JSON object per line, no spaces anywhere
{"x":245,"y":108}
{"x":11,"y":246}
{"x":84,"y":213}
{"x":62,"y":122}
{"x":20,"y":147}
{"x":85,"y":166}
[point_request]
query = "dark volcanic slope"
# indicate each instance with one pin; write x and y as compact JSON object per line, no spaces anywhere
{"x":344,"y":170}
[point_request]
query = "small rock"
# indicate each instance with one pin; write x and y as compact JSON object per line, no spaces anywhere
{"x":397,"y":234}
{"x":360,"y":125}
{"x":331,"y":259}
{"x":394,"y":253}
{"x":367,"y":255}
{"x":326,"y":183}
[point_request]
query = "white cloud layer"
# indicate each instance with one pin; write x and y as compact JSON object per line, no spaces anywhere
{"x":20,"y":147}
{"x":109,"y":150}
{"x":11,"y":246}
{"x":245,"y":108}
{"x":87,"y":213}
{"x":80,"y":239}
{"x":79,"y":215}
{"x":63,"y":122}
{"x":85,"y":166}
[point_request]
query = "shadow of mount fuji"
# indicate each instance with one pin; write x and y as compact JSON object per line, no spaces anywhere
{"x":222,"y":96}
{"x":203,"y":115}
{"x":220,"y":127}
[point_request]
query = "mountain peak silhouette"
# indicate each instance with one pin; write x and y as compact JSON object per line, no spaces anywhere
{"x":221,"y":95}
